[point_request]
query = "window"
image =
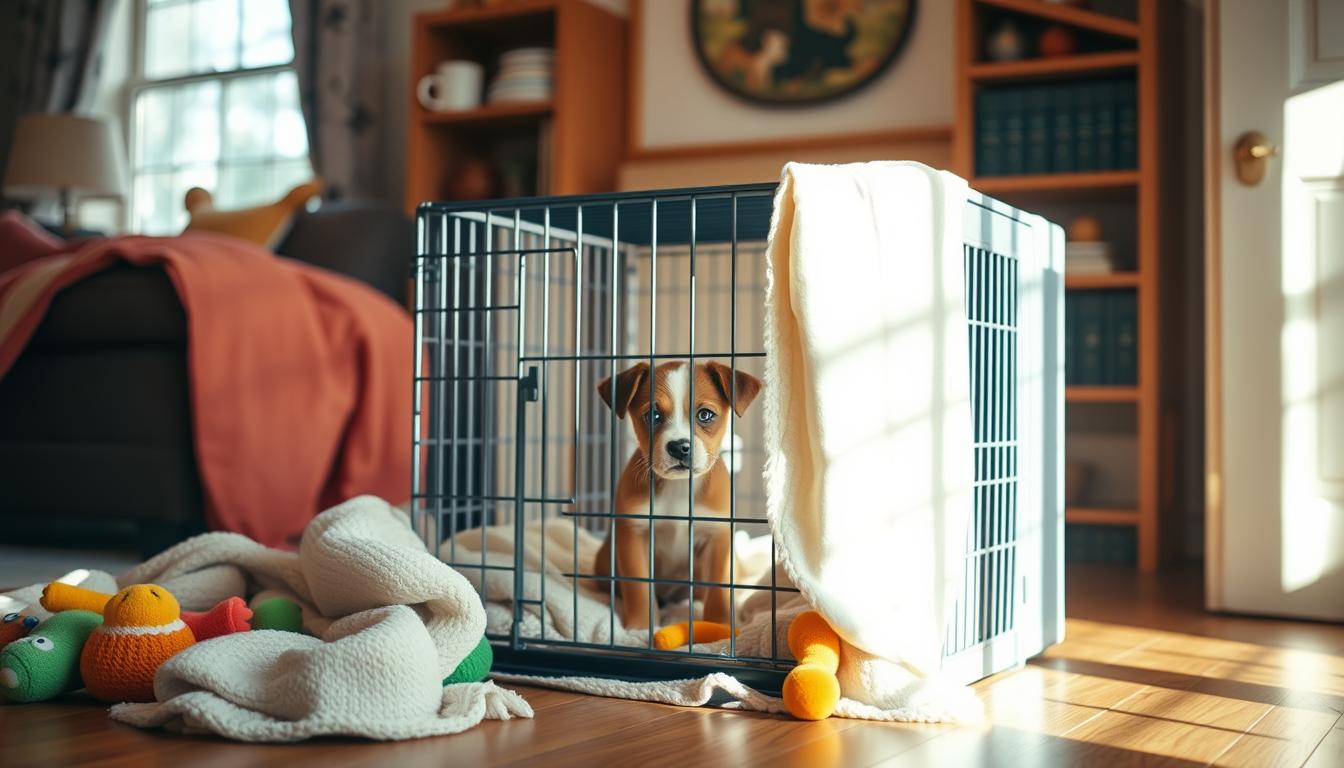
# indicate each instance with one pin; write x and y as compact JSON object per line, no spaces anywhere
{"x":216,"y":105}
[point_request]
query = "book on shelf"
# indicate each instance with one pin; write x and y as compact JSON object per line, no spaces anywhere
{"x":1106,"y":97}
{"x":1061,"y":104}
{"x":1013,"y":115}
{"x":1087,"y":258}
{"x":988,"y":134}
{"x":1036,"y":105}
{"x":1084,"y":127}
{"x":1087,"y":125}
{"x":1101,"y":338}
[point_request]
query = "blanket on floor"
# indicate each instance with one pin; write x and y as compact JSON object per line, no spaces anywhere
{"x":562,"y":612}
{"x":299,"y":376}
{"x":391,"y":622}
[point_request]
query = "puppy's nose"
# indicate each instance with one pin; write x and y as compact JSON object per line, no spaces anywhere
{"x":679,"y":449}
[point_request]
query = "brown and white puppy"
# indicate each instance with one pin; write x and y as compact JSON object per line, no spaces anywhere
{"x":677,"y":439}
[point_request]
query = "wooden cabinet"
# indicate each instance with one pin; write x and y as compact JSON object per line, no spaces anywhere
{"x":568,"y":144}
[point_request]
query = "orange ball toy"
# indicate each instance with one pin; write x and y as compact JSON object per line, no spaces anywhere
{"x":142,"y":627}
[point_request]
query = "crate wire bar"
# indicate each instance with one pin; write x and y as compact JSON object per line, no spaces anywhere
{"x":523,"y":306}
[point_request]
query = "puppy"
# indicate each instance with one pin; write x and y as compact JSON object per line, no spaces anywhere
{"x":677,"y":439}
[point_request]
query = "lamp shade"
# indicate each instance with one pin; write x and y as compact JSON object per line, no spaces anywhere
{"x":66,"y":152}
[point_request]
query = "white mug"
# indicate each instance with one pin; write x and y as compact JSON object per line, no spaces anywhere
{"x":454,"y":87}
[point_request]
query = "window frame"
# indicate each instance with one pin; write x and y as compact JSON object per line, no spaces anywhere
{"x":140,"y":82}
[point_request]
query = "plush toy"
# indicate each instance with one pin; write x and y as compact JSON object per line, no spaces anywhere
{"x":228,"y":616}
{"x":14,"y":626}
{"x":45,"y":664}
{"x":278,"y":613}
{"x":677,"y":635}
{"x":812,"y":689}
{"x":142,"y":628}
{"x":475,"y":667}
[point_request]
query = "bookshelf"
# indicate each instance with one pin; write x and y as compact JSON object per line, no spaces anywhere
{"x":1117,"y":43}
{"x":568,"y":144}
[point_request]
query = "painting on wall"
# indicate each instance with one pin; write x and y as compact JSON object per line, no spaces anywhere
{"x":798,"y":51}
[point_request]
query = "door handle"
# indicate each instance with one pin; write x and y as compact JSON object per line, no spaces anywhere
{"x":1251,"y":154}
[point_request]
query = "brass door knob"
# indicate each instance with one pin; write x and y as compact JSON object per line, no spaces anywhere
{"x":1252,"y":154}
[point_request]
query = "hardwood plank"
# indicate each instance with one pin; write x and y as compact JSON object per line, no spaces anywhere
{"x":1101,"y":282}
{"x":1060,"y":65}
{"x":1056,"y":182}
{"x":1101,"y":394}
{"x":1284,"y":737}
{"x":1156,"y":736}
{"x":1101,"y":516}
{"x":1330,"y":752}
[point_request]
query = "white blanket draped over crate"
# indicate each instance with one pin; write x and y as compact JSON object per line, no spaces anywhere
{"x":867,"y":414}
{"x":390,"y":622}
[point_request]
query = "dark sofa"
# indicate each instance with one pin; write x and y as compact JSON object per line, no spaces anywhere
{"x":95,"y":416}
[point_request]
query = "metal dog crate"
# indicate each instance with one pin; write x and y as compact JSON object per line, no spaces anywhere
{"x":523,"y":306}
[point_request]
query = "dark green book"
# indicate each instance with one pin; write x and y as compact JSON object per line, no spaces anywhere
{"x":1014,"y":130}
{"x":1084,"y":128}
{"x":1125,"y":338}
{"x":1037,"y":107}
{"x":1107,"y":96}
{"x":988,"y":134}
{"x":1090,"y":339}
{"x":1127,"y":126}
{"x":1061,"y":118}
{"x":1070,"y":338}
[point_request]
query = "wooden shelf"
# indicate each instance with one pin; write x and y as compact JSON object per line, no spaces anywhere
{"x":492,"y":114}
{"x":486,"y":14}
{"x":1063,"y":65}
{"x":1101,"y":516}
{"x":1101,"y":394}
{"x":1101,"y":282}
{"x":1077,"y":17}
{"x":1056,"y":182}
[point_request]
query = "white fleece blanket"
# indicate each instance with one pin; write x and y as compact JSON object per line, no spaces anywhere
{"x":867,"y":418}
{"x":391,"y":621}
{"x":872,"y":689}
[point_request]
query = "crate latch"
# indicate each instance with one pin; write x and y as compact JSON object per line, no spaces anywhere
{"x":530,"y":387}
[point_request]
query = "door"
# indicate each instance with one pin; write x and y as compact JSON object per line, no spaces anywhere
{"x":1276,"y":301}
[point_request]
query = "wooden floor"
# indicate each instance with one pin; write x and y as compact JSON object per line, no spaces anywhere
{"x":1144,"y":678}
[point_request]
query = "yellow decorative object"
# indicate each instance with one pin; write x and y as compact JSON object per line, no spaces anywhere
{"x":1084,"y":229}
{"x":677,"y":635}
{"x":812,"y":690}
{"x":264,"y":225}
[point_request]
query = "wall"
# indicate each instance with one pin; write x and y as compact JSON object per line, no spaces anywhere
{"x":680,"y":105}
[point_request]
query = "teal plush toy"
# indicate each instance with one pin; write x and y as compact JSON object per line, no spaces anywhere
{"x":45,"y":664}
{"x":475,"y":667}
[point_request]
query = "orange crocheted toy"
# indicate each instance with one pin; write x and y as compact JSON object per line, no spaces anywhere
{"x":142,"y":627}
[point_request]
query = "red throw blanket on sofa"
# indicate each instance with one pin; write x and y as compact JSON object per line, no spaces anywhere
{"x":300,"y":378}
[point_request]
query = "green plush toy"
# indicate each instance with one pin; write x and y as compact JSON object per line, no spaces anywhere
{"x":475,"y":667}
{"x":278,"y":613}
{"x":45,"y":664}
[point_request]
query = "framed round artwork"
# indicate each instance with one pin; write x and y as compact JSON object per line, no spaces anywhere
{"x":798,"y":51}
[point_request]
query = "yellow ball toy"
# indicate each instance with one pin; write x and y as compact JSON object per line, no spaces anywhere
{"x":811,"y":689}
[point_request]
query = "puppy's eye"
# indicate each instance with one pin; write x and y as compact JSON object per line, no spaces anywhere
{"x":705,"y":416}
{"x":655,"y":416}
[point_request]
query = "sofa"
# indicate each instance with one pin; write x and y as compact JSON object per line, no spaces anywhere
{"x":95,"y":416}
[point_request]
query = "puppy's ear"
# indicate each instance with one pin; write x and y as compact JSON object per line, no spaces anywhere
{"x":730,"y":382}
{"x":628,"y":383}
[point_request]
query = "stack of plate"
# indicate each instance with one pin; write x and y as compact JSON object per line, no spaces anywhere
{"x":524,"y":75}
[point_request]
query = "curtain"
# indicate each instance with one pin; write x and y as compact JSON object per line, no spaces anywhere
{"x":338,"y":54}
{"x":50,"y":57}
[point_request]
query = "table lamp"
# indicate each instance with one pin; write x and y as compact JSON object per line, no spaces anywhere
{"x":69,"y":154}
